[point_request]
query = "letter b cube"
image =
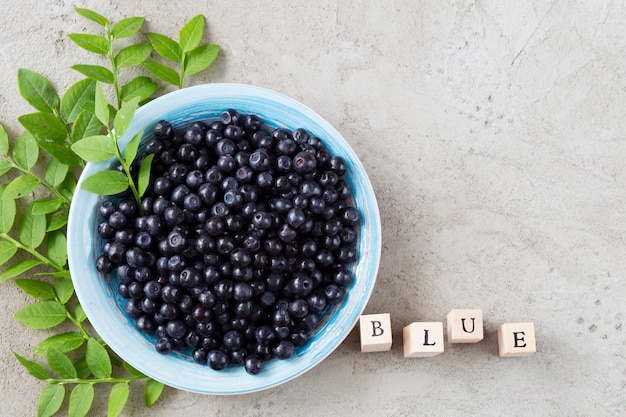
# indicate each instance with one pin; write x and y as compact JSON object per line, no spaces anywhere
{"x":375,"y":332}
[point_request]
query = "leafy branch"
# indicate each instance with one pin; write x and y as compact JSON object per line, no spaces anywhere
{"x":63,"y":133}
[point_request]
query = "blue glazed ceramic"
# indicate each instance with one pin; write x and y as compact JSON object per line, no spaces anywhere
{"x":98,"y":295}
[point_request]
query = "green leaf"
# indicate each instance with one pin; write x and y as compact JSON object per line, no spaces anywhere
{"x":56,"y":220}
{"x":55,"y":172}
{"x":133,"y":55}
{"x":36,"y":289}
{"x":5,"y":166}
{"x":102,"y":106}
{"x":60,"y":151}
{"x":41,"y":315}
{"x":162,"y":72}
{"x":60,"y":364}
{"x":93,"y":16}
{"x":26,"y":151}
{"x":18,"y":268}
{"x":20,"y":187}
{"x":107,"y":182}
{"x":7,"y":251}
{"x":32,"y":229}
{"x":95,"y":72}
{"x":165,"y":46}
{"x":130,"y":152}
{"x":44,"y":126}
{"x":127,"y":27}
{"x":92,"y":43}
{"x":80,"y":401}
{"x":7,"y":212}
{"x":63,"y":288}
{"x":67,"y":188}
{"x":37,"y":90}
{"x":82,"y":369}
{"x":139,"y":87}
{"x":95,"y":148}
{"x":132,"y":370}
{"x":79,"y":313}
{"x":56,"y":245}
{"x":143,"y":179}
{"x":191,"y":34}
{"x":33,"y":368}
{"x":50,"y":400}
{"x":98,"y":359}
{"x":87,"y":124}
{"x":4,"y":141}
{"x":46,"y":205}
{"x":117,"y":399}
{"x":76,"y":98}
{"x":124,"y":116}
{"x":63,"y":342}
{"x":200,"y":58}
{"x":152,"y":392}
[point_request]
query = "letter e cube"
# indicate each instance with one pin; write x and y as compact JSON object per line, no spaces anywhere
{"x":375,"y":332}
{"x":423,"y":339}
{"x":465,"y":326}
{"x":516,"y":339}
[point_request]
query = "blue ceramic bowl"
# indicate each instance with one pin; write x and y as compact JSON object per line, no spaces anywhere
{"x":103,"y":305}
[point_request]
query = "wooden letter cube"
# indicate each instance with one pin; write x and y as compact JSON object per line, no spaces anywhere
{"x":423,"y":339}
{"x":375,"y":332}
{"x":516,"y":339}
{"x":465,"y":326}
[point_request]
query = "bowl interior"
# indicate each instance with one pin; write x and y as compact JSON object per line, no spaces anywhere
{"x":103,"y":305}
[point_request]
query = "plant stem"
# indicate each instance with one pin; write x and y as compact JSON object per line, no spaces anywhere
{"x":126,"y":167}
{"x":33,"y":252}
{"x":95,"y":381}
{"x":42,"y":182}
{"x":114,"y":69}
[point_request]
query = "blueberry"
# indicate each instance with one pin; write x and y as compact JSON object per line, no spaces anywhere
{"x":253,"y":364}
{"x":304,"y":162}
{"x":284,"y":349}
{"x":164,"y":345}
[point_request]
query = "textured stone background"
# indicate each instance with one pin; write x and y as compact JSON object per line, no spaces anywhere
{"x":494,"y":135}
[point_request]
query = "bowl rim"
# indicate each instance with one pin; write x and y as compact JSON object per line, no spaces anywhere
{"x":77,"y":233}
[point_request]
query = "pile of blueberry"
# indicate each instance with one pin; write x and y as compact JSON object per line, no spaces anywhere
{"x":245,"y":236}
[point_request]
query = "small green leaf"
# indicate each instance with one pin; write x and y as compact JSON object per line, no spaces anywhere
{"x":56,"y":245}
{"x":41,"y":315}
{"x":107,"y":182}
{"x":33,"y":368}
{"x":95,"y":72}
{"x":152,"y":392}
{"x":50,"y":400}
{"x":60,"y":364}
{"x":93,"y":16}
{"x":165,"y":46}
{"x":7,"y":212}
{"x":60,"y":151}
{"x":32,"y":229}
{"x":200,"y":58}
{"x":7,"y":251}
{"x":4,"y":141}
{"x":63,"y":288}
{"x":26,"y":151}
{"x":79,"y":313}
{"x":162,"y":72}
{"x":127,"y":27}
{"x":44,"y":126}
{"x":133,"y":55}
{"x":76,"y":98}
{"x":98,"y":359}
{"x":67,"y":188}
{"x":20,"y":187}
{"x":5,"y":166}
{"x":87,"y":124}
{"x":56,"y":220}
{"x":46,"y":205}
{"x":132,"y":370}
{"x":191,"y":34}
{"x":92,"y":43}
{"x":63,"y":342}
{"x":18,"y":268}
{"x":55,"y":172}
{"x":82,"y":369}
{"x":117,"y":399}
{"x":139,"y":87}
{"x":95,"y":148}
{"x":130,"y":151}
{"x":80,"y":401}
{"x":36,"y":289}
{"x":143,"y":179}
{"x":124,"y":116}
{"x":37,"y":90}
{"x":101,"y":106}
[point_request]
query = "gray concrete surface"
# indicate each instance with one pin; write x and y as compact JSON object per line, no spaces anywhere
{"x":494,"y":133}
